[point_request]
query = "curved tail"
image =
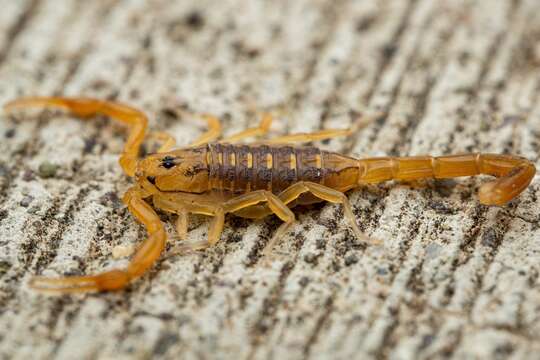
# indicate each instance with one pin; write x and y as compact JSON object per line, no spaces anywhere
{"x":514,"y":173}
{"x":86,"y":107}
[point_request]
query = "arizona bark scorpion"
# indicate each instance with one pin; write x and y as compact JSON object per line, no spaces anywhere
{"x":215,"y":178}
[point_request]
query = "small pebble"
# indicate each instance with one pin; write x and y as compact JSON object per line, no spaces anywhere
{"x":351,"y":259}
{"x":4,"y":267}
{"x":111,"y":199}
{"x":10,"y":133}
{"x":28,"y":175}
{"x":310,"y":258}
{"x":47,"y":170}
{"x":319,"y":243}
{"x":33,"y":210}
{"x":304,"y":280}
{"x":25,"y":202}
{"x":121,"y":251}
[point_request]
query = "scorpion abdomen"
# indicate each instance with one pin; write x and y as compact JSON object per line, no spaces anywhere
{"x":244,"y":168}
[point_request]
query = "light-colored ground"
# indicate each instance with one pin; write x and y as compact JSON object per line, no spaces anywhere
{"x":453,"y":279}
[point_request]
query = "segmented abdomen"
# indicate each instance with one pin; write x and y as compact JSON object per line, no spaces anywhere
{"x":243,"y":168}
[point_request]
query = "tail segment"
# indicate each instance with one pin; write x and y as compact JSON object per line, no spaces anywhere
{"x":514,"y":173}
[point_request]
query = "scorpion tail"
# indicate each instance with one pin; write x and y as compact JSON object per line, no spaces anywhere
{"x":513,"y":173}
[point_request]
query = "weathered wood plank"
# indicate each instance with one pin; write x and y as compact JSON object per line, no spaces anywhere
{"x":453,"y":279}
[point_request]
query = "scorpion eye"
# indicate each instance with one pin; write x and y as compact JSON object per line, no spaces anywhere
{"x":167,"y":162}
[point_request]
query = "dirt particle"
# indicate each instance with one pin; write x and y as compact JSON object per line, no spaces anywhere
{"x":245,"y":51}
{"x":389,"y":50}
{"x":4,"y":267}
{"x":445,"y":187}
{"x":365,"y":23}
{"x":165,"y":342}
{"x":33,"y":210}
{"x":99,"y":84}
{"x":427,"y":340}
{"x":320,"y":243}
{"x":25,"y":202}
{"x":28,"y":175}
{"x":440,"y":207}
{"x":10,"y":133}
{"x":169,"y":113}
{"x":504,"y":351}
{"x":351,"y":259}
{"x":111,"y":199}
{"x":310,"y":258}
{"x":490,"y":238}
{"x":47,"y":170}
{"x":195,"y":20}
{"x":89,"y":144}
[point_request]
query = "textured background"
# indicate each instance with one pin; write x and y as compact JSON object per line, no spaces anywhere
{"x":453,"y":278}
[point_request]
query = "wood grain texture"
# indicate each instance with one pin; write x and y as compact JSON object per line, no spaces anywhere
{"x":454,"y":279}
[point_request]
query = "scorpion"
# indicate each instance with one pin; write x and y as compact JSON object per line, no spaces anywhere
{"x":251,"y":180}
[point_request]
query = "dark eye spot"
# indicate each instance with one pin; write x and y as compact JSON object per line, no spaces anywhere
{"x":167,"y":162}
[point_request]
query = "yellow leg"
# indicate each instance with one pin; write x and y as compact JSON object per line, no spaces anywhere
{"x":168,"y":141}
{"x":205,"y":205}
{"x":244,"y":202}
{"x":183,"y":208}
{"x":260,"y":130}
{"x":213,"y":132}
{"x":325,"y":193}
{"x":144,"y":258}
{"x":324,"y":134}
{"x":258,"y":211}
{"x":182,"y":224}
{"x":87,"y":107}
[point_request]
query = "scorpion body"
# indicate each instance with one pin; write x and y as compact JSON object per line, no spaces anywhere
{"x":253,"y":180}
{"x":239,"y":169}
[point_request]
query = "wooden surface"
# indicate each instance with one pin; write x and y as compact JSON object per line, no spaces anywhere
{"x":453,"y":278}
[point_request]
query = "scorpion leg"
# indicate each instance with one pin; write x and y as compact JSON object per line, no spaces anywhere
{"x":254,"y":212}
{"x":147,"y":253}
{"x":325,"y":193}
{"x":87,"y":107}
{"x":275,"y":204}
{"x":213,"y":132}
{"x":242,"y":203}
{"x":183,"y":208}
{"x":260,"y":130}
{"x":168,"y":141}
{"x":362,"y":122}
{"x":182,"y":224}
